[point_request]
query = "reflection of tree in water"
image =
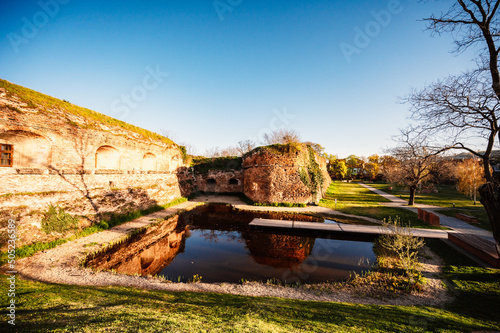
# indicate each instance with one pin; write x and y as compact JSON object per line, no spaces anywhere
{"x":213,"y":235}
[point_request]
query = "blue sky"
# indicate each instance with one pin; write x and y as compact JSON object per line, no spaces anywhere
{"x":217,"y":72}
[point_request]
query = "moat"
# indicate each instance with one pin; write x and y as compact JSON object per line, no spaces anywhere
{"x":216,"y":243}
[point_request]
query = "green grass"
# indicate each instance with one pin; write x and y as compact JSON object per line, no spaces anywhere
{"x":447,"y":196}
{"x":354,"y":199}
{"x":46,"y":307}
{"x":43,"y":307}
{"x":44,"y":102}
{"x":476,"y":289}
{"x":280,"y":149}
{"x":203,"y":165}
{"x":113,"y":220}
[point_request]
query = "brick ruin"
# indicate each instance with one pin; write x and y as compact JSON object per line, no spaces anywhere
{"x":51,"y":156}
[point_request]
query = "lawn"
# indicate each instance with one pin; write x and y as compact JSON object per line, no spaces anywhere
{"x":446,"y":197}
{"x":354,"y":199}
{"x":43,"y":307}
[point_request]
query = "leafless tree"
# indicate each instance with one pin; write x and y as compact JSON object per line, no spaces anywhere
{"x":213,"y":152}
{"x":415,"y":159}
{"x":230,"y":151}
{"x":282,"y":136}
{"x":466,"y":106}
{"x":190,"y":149}
{"x":461,"y":112}
{"x":246,"y":146}
{"x":389,"y":168}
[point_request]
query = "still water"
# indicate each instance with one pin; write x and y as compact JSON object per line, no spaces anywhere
{"x":216,"y":242}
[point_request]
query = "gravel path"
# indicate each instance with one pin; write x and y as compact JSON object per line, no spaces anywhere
{"x":61,"y":265}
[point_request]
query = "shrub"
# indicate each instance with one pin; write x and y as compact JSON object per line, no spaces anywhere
{"x":56,"y":219}
{"x":403,"y":244}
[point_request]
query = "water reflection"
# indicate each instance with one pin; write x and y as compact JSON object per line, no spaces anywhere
{"x":216,"y":242}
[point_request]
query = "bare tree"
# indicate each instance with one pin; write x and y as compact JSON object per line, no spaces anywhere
{"x":415,"y":159}
{"x":213,"y":152}
{"x":389,"y":168}
{"x":282,"y":136}
{"x":230,"y":151}
{"x":462,"y":112}
{"x":474,"y":106}
{"x":246,"y":146}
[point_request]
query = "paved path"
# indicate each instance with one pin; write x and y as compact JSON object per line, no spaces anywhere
{"x":447,"y":221}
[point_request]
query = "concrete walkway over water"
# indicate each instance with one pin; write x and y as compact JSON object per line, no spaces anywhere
{"x":344,"y":228}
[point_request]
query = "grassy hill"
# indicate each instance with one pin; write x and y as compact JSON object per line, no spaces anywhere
{"x":45,"y":103}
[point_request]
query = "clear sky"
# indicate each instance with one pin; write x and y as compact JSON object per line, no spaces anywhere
{"x":217,"y":72}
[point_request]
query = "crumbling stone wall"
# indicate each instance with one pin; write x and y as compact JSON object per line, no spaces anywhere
{"x":220,"y":181}
{"x":79,"y":164}
{"x":276,"y":175}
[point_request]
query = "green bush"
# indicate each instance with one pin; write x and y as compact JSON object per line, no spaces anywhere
{"x":56,"y":219}
{"x":311,"y":174}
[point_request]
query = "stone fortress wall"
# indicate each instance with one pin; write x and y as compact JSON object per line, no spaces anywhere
{"x":81,"y":165}
{"x":54,"y":157}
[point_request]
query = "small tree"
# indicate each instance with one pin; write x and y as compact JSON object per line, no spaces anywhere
{"x":401,"y":241}
{"x":470,"y":177}
{"x":319,"y":149}
{"x":372,"y":167}
{"x":354,"y":165}
{"x":337,"y":168}
{"x":282,"y":136}
{"x":246,"y":146}
{"x":415,"y":158}
{"x":389,"y":168}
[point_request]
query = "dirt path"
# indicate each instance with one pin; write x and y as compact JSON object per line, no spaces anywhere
{"x":61,"y":265}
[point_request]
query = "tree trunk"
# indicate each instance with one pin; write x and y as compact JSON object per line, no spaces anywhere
{"x":413,"y":190}
{"x":490,"y":198}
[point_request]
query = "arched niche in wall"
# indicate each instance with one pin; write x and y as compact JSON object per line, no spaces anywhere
{"x":149,"y":162}
{"x":211,"y":184}
{"x":28,"y":150}
{"x":233,"y":181}
{"x":107,"y":157}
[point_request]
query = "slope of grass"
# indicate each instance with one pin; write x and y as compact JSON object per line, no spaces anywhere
{"x":354,"y":199}
{"x":44,"y":102}
{"x":43,"y":307}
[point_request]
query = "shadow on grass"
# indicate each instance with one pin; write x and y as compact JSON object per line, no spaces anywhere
{"x":50,"y":307}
